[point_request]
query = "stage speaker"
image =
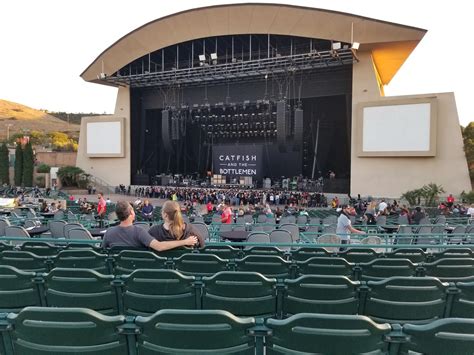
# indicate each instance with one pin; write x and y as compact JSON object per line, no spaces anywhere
{"x":281,"y":122}
{"x":174,"y":128}
{"x":298,"y":132}
{"x":165,"y":131}
{"x":142,"y":179}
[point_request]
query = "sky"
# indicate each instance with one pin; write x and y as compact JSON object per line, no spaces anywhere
{"x":45,"y":45}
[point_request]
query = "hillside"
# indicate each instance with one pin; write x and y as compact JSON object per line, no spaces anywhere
{"x":16,"y":118}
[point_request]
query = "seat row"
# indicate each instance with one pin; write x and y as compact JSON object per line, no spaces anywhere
{"x":40,"y":331}
{"x":200,"y":264}
{"x":145,"y":291}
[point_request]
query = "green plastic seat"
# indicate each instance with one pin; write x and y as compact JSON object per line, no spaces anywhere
{"x":267,"y":265}
{"x":5,"y":246}
{"x":451,"y":253}
{"x":194,"y":332}
{"x":359,"y":255}
{"x":17,"y":289}
{"x":326,"y":266}
{"x":46,"y":331}
{"x":304,"y":253}
{"x":147,"y":291}
{"x":175,"y":253}
{"x":222,"y":251}
{"x":128,"y":261}
{"x":414,"y":255}
{"x":406,"y":300}
{"x":463,"y":305}
{"x":241,"y":293}
{"x":313,"y":333}
{"x":441,"y":337}
{"x":80,"y":288}
{"x":450,"y":269}
{"x":82,"y":259}
{"x":200,"y":264}
{"x":383,"y":268}
{"x":321,"y":294}
{"x":24,"y":260}
{"x":40,"y":248}
{"x":264,"y":250}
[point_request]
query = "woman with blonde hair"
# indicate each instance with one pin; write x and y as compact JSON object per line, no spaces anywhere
{"x":173,"y":227}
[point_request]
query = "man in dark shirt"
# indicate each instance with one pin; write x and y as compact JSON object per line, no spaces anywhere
{"x":127,"y":234}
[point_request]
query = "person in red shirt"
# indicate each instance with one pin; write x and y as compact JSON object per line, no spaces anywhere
{"x":101,"y":207}
{"x":226,"y":216}
{"x":209,"y":207}
{"x":450,"y":201}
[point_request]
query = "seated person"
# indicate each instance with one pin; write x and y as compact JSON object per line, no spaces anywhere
{"x":52,"y":208}
{"x":129,"y":235}
{"x":174,"y":229}
{"x":147,"y":211}
{"x":417,"y":215}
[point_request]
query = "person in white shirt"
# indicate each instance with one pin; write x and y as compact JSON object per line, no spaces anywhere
{"x":470,"y":211}
{"x":382,"y":206}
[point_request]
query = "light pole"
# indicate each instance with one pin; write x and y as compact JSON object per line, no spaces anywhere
{"x":8,"y":131}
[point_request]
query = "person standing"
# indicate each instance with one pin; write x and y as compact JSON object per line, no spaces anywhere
{"x":344,"y":227}
{"x":226,"y":216}
{"x":129,"y":235}
{"x":101,"y":208}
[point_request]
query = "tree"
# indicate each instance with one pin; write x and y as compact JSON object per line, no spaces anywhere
{"x":70,"y":176}
{"x":28,"y":165}
{"x":4,"y":165}
{"x":18,"y":165}
{"x":468,"y":138}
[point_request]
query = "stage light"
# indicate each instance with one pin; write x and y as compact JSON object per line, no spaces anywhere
{"x":214,"y":56}
{"x":335,"y":46}
{"x":355,"y":45}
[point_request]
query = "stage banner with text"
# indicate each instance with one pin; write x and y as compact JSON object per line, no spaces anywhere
{"x":237,"y":160}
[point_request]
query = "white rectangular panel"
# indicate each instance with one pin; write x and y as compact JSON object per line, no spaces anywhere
{"x":104,"y":138}
{"x":397,"y":128}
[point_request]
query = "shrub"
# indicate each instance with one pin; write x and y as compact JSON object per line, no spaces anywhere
{"x":43,"y":168}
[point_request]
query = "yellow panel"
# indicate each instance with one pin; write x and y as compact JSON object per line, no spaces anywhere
{"x":389,"y":57}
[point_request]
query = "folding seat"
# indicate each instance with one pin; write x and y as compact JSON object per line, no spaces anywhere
{"x":450,"y":269}
{"x":68,"y":226}
{"x":288,"y":219}
{"x":240,"y":293}
{"x":382,"y":268}
{"x":321,"y":294}
{"x":332,"y":219}
{"x":325,"y":266}
{"x":441,"y":337}
{"x":4,"y":246}
{"x":222,"y":251}
{"x":258,"y":237}
{"x":414,"y":255}
{"x":17,"y":232}
{"x":451,"y":253}
{"x":128,"y":261}
{"x":4,"y":223}
{"x":17,"y":289}
{"x":359,"y":255}
{"x":200,"y":264}
{"x":463,"y":305}
{"x":302,"y":220}
{"x":267,"y":265}
{"x":45,"y":331}
{"x":262,"y":218}
{"x":293,"y":229}
{"x":281,"y":236}
{"x":424,"y":236}
{"x":147,"y":291}
{"x":41,"y":248}
{"x":404,"y":235}
{"x":82,"y":259}
{"x":330,"y":239}
{"x":458,"y":235}
{"x":304,"y":253}
{"x":406,"y":300}
{"x":202,"y":229}
{"x":262,"y":250}
{"x":56,"y":227}
{"x":329,"y":228}
{"x":24,"y":260}
{"x":176,"y":331}
{"x":309,"y":333}
{"x":174,"y":253}
{"x":80,"y":288}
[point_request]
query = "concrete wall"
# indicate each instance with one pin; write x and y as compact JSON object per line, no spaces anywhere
{"x":113,"y":171}
{"x":57,"y":158}
{"x":392,"y":176}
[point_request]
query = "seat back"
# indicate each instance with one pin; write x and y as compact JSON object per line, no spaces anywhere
{"x":222,"y":251}
{"x":332,"y":219}
{"x":200,"y":264}
{"x":443,"y":336}
{"x":262,"y":218}
{"x":304,"y":253}
{"x":68,"y":226}
{"x":302,"y":220}
{"x":308,"y":333}
{"x":373,"y":239}
{"x":458,"y":235}
{"x":56,"y":227}
{"x":359,"y":255}
{"x":258,"y":237}
{"x":383,"y":268}
{"x":450,"y":269}
{"x":293,"y":229}
{"x":241,"y":293}
{"x":281,"y":236}
{"x":147,"y":291}
{"x":321,"y":294}
{"x":23,"y":260}
{"x":40,"y":248}
{"x":80,"y":288}
{"x":402,"y":219}
{"x":288,"y":219}
{"x":79,"y":233}
{"x":406,"y":299}
{"x":194,"y":332}
{"x":82,"y":259}
{"x":202,"y":229}
{"x":59,"y":215}
{"x":414,"y":255}
{"x":325,"y":266}
{"x":463,"y":305}
{"x":267,"y":265}
{"x":404,"y":235}
{"x":16,"y":232}
{"x":17,"y":289}
{"x":329,"y":228}
{"x":144,"y":225}
{"x":41,"y":330}
{"x":330,"y":239}
{"x":4,"y":223}
{"x":128,"y":261}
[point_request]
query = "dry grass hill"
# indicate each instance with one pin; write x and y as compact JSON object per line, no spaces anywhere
{"x":19,"y":118}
